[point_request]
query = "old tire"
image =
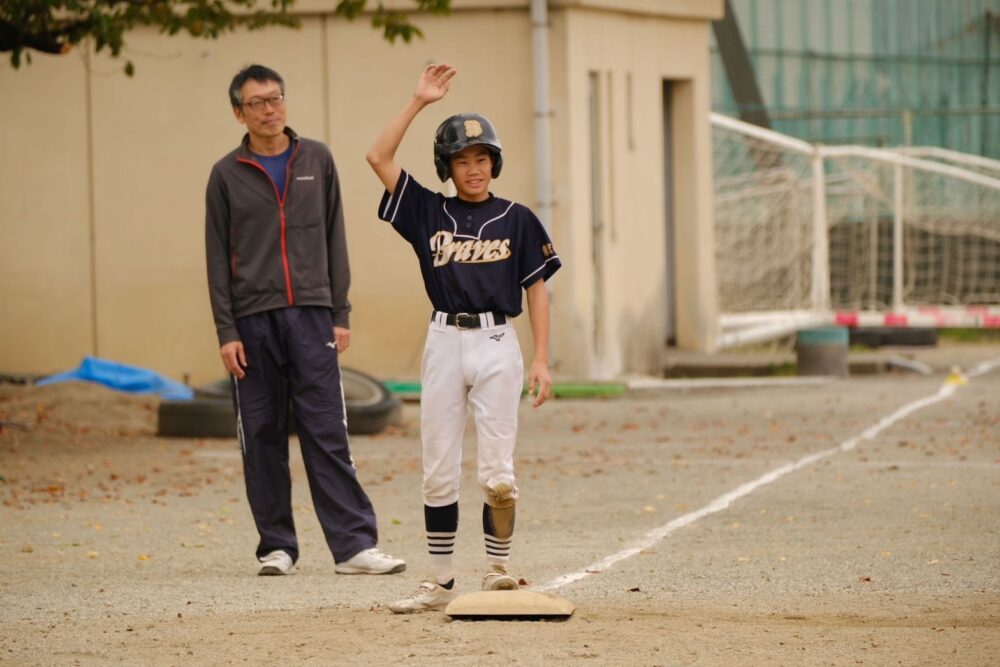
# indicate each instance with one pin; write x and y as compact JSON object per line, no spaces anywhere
{"x":370,"y":408}
{"x":197,"y":418}
{"x":370,"y":405}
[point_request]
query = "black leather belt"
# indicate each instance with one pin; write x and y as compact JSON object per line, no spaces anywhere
{"x":469,"y":320}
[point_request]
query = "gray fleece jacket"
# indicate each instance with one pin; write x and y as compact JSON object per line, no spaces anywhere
{"x":268,"y":250}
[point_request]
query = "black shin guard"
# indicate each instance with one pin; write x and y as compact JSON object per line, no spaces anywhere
{"x":497,"y":522}
{"x":498,"y":529}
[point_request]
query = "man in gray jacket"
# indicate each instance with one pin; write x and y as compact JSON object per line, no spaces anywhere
{"x":278,"y":278}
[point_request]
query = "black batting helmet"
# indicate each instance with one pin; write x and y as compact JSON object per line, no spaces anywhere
{"x":459,"y":132}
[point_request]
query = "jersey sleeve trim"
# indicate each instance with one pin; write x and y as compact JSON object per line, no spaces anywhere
{"x":528,"y":278}
{"x":398,"y":196}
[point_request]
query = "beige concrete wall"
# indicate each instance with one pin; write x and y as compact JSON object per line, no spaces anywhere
{"x":686,"y":9}
{"x":155,"y":137}
{"x":631,"y":288}
{"x":45,"y":252}
{"x":102,"y":194}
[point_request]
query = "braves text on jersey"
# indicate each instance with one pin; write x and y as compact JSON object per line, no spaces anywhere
{"x":475,"y":257}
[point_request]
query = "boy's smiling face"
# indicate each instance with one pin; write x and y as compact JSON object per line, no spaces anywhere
{"x":471,"y":171}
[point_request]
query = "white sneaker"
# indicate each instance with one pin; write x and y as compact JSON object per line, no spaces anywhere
{"x":497,"y":579}
{"x":276,"y":563}
{"x":371,"y":561}
{"x":429,"y":596}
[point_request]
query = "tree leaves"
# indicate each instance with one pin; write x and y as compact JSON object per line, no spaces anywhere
{"x":56,"y":26}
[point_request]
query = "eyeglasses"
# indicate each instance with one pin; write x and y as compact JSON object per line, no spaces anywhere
{"x":258,"y":104}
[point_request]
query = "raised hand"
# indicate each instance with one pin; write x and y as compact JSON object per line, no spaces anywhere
{"x":434,"y":83}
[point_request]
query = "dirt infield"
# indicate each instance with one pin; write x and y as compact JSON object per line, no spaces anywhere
{"x":122,"y":547}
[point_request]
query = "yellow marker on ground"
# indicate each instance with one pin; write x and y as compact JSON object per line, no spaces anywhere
{"x":956,"y":376}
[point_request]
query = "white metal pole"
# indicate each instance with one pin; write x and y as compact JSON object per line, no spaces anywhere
{"x":964,"y":159}
{"x":820,"y":252}
{"x":543,"y":111}
{"x":543,"y":141}
{"x":764,"y":134}
{"x":897,"y":238}
{"x":913,"y":163}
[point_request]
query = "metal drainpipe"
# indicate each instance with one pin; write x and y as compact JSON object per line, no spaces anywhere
{"x":543,"y":116}
{"x":543,"y":112}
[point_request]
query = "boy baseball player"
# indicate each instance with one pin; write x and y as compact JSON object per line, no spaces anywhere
{"x":476,"y":253}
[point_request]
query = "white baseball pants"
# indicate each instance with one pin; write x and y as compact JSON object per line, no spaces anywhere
{"x":461,"y":367}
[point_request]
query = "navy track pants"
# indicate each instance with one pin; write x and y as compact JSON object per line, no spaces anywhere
{"x":291,"y":353}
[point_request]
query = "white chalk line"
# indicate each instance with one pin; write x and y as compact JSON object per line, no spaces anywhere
{"x":730,"y":464}
{"x":640,"y":384}
{"x":727,"y":499}
{"x":983,"y":368}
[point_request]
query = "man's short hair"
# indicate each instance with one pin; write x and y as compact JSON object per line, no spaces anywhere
{"x":257,"y":73}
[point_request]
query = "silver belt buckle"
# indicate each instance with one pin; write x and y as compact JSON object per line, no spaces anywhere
{"x":458,"y":320}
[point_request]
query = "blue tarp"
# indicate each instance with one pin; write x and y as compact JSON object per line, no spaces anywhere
{"x":123,"y":377}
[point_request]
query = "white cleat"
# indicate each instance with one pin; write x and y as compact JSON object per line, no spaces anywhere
{"x":276,"y":563}
{"x":371,"y":561}
{"x":428,"y":597}
{"x":497,"y":579}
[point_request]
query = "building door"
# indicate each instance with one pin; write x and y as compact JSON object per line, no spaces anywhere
{"x":668,"y":214}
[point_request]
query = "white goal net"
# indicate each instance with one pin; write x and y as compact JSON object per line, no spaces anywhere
{"x":808,"y":233}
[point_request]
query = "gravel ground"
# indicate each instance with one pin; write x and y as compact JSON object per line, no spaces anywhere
{"x":123,"y":547}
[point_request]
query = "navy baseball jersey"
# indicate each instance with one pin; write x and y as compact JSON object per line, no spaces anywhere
{"x":474,"y":257}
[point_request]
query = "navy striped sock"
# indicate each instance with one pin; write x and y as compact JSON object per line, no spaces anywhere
{"x":441,"y":524}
